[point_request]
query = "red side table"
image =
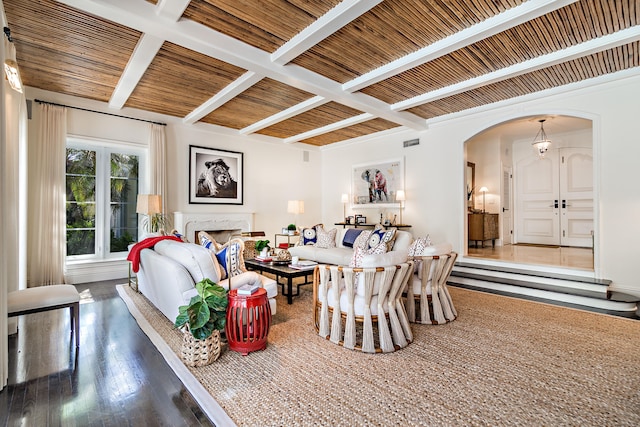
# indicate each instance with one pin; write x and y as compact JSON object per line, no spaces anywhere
{"x":248,"y":321}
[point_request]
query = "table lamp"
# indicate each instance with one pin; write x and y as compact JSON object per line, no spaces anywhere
{"x":483,"y":190}
{"x":345,"y":200}
{"x":400,"y":197}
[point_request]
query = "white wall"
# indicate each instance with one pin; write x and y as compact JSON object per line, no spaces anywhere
{"x":274,"y":172}
{"x":434,"y":169}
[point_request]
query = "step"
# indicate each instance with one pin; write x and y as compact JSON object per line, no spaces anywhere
{"x":578,"y":290}
{"x":565,"y":284}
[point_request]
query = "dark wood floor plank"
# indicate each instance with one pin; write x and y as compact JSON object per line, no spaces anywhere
{"x":116,"y":378}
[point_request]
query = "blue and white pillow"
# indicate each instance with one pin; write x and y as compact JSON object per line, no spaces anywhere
{"x":309,"y":236}
{"x":382,"y":235}
{"x":207,"y":241}
{"x":350,"y":237}
{"x":229,"y":256}
{"x":231,"y":259}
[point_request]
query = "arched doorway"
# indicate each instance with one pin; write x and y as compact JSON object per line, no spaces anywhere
{"x":514,"y":213}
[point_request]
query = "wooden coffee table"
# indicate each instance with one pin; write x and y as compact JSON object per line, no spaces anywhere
{"x":282,"y":270}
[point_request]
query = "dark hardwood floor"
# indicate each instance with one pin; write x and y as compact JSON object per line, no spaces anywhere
{"x":116,"y":378}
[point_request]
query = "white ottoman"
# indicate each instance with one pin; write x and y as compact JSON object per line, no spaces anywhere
{"x":45,"y":298}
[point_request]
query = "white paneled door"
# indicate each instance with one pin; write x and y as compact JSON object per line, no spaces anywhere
{"x":555,"y":198}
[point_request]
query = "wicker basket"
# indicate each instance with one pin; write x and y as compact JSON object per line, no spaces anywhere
{"x":196,"y":353}
{"x":250,"y":249}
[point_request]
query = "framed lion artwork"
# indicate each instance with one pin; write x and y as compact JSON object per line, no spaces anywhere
{"x":215,"y":176}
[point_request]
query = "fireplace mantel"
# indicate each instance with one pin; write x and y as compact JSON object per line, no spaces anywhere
{"x":190,"y":223}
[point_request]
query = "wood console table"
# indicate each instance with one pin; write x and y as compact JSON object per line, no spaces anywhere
{"x":345,"y":225}
{"x":483,"y":226}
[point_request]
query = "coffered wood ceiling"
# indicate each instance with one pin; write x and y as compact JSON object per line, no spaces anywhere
{"x":317,"y":72}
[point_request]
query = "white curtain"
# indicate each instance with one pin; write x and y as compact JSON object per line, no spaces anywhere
{"x":13,"y":143}
{"x":158,"y":163}
{"x":46,"y":231}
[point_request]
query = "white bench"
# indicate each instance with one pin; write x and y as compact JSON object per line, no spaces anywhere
{"x":45,"y":298}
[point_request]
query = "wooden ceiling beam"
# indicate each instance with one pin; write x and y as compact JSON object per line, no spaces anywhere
{"x":202,"y":39}
{"x":243,"y":83}
{"x":297,"y":109}
{"x":320,"y":29}
{"x":330,"y":128}
{"x":583,"y":49}
{"x":489,"y":27}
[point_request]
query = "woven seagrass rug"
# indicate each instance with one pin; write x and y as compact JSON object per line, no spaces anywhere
{"x":504,"y":361}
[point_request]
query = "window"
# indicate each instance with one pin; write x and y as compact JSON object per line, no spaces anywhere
{"x":102,"y":186}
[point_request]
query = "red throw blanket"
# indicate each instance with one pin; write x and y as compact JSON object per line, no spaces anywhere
{"x":134,"y":253}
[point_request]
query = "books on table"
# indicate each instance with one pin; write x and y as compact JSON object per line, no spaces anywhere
{"x":303,"y":265}
{"x":248,"y":289}
{"x":264,"y":258}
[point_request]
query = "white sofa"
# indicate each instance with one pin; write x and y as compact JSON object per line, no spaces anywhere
{"x":341,"y":254}
{"x":168,"y":274}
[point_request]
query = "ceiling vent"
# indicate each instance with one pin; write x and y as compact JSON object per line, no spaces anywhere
{"x":411,"y":143}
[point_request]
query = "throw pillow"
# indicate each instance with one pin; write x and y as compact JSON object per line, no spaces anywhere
{"x":326,"y":239}
{"x":362,"y":239}
{"x":417,"y":246}
{"x":231,"y":259}
{"x":415,"y":250}
{"x":309,"y":236}
{"x":207,"y":241}
{"x":359,"y":253}
{"x":382,"y":235}
{"x":175,"y":232}
{"x":350,"y":237}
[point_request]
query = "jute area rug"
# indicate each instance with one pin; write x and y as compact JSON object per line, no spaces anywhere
{"x":504,"y":361}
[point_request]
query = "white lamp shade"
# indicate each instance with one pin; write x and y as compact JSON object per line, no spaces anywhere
{"x":483,"y":189}
{"x":295,"y":206}
{"x":149,"y":204}
{"x":345,"y":198}
{"x":400,"y":196}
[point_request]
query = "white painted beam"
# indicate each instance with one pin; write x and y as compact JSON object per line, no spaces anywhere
{"x":172,"y":9}
{"x":327,"y":24}
{"x":330,"y":128}
{"x":241,"y":84}
{"x":494,"y":25}
{"x":143,"y":54}
{"x":294,"y":110}
{"x":140,"y":16}
{"x":583,"y":49}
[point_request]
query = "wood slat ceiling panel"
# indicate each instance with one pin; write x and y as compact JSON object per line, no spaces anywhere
{"x":361,"y":129}
{"x":262,"y":100}
{"x":265,"y":24}
{"x":64,"y":50}
{"x":601,"y":63}
{"x":576,"y":23}
{"x":323,"y":115}
{"x":179,"y":80}
{"x":394,"y":29}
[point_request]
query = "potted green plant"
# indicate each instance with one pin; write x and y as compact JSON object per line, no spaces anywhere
{"x":262,"y":246}
{"x":201,"y":322}
{"x":291,"y":228}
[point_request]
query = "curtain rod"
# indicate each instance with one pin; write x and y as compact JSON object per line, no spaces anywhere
{"x":99,"y":112}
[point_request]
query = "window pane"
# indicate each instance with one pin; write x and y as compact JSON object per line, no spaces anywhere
{"x":81,"y":162}
{"x":81,"y":215}
{"x":123,"y":224}
{"x":81,"y":197}
{"x":81,"y":242}
{"x":81,"y":188}
{"x":124,"y":165}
